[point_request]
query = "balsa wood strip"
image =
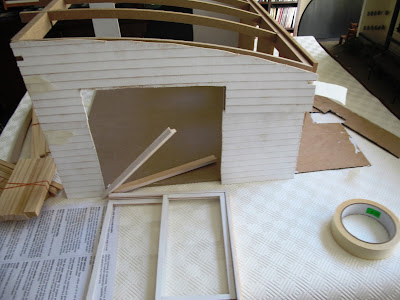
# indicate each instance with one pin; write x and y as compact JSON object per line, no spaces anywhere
{"x":259,"y":167}
{"x":268,"y":108}
{"x":240,"y":71}
{"x":260,"y":138}
{"x":41,"y":23}
{"x":226,"y":62}
{"x":259,"y":101}
{"x":165,"y":16}
{"x":202,"y":5}
{"x":130,"y":54}
{"x":288,"y":92}
{"x":240,"y":159}
{"x":267,"y":130}
{"x":267,"y":172}
{"x":165,"y":136}
{"x":38,"y":141}
{"x":260,"y":117}
{"x":258,"y":150}
{"x":34,"y":205}
{"x":178,"y":3}
{"x":262,"y":124}
{"x":129,"y":186}
{"x":288,"y":175}
{"x":160,"y":80}
{"x":80,"y":171}
{"x":21,"y":137}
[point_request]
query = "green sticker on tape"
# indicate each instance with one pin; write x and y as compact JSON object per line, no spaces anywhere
{"x":373,"y":212}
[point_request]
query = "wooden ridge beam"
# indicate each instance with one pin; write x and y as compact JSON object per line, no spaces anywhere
{"x":194,"y":4}
{"x":165,"y":16}
{"x":286,"y":45}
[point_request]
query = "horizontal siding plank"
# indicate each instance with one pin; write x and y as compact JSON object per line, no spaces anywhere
{"x":79,"y":171}
{"x":268,"y":108}
{"x":268,"y":101}
{"x":241,"y":71}
{"x":258,"y":156}
{"x":50,"y":111}
{"x":67,"y":126}
{"x":260,"y":144}
{"x":259,"y":167}
{"x":260,"y":163}
{"x":69,"y":166}
{"x":273,"y":92}
{"x":156,"y":79}
{"x":259,"y":131}
{"x":249,"y":151}
{"x":83,"y":194}
{"x":71,"y":146}
{"x":259,"y":173}
{"x":261,"y":124}
{"x":238,"y":180}
{"x":261,"y":138}
{"x":260,"y":117}
{"x":63,"y":118}
{"x":78,"y":152}
{"x":136,"y":63}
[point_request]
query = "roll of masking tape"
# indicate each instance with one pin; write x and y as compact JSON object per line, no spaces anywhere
{"x":360,"y":248}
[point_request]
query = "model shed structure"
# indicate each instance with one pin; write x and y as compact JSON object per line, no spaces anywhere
{"x":266,"y":95}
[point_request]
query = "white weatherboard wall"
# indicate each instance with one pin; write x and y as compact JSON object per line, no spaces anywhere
{"x":265,"y":101}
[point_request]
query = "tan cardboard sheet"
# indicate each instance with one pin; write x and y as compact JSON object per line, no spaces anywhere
{"x":124,"y":122}
{"x":327,"y":147}
{"x":367,"y":129}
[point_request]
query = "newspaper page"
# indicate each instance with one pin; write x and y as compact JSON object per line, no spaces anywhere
{"x":51,"y":256}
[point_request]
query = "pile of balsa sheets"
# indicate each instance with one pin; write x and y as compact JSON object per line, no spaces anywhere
{"x":25,"y":186}
{"x":26,"y":189}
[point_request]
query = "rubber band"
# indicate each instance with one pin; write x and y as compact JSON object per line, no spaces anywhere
{"x":35,"y":124}
{"x":22,"y":184}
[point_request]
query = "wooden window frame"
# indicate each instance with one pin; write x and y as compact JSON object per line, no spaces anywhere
{"x":229,"y":249}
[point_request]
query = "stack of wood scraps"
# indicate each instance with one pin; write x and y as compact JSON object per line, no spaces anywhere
{"x":25,"y":186}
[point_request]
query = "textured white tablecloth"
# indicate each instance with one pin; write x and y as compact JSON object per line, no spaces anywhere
{"x":284,"y":246}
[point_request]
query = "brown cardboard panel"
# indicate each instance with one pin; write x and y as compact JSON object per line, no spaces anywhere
{"x":362,"y":126}
{"x":124,"y":122}
{"x":327,"y":147}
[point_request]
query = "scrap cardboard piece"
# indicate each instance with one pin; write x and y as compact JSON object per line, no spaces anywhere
{"x":367,"y":129}
{"x":27,"y":188}
{"x":123,"y":122}
{"x":327,"y":147}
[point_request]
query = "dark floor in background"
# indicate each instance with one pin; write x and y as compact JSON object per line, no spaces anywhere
{"x":358,"y":66}
{"x":12,"y":86}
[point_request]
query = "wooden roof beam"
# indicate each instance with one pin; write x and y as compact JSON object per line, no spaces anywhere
{"x":40,"y":24}
{"x":194,"y":4}
{"x":165,"y":16}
